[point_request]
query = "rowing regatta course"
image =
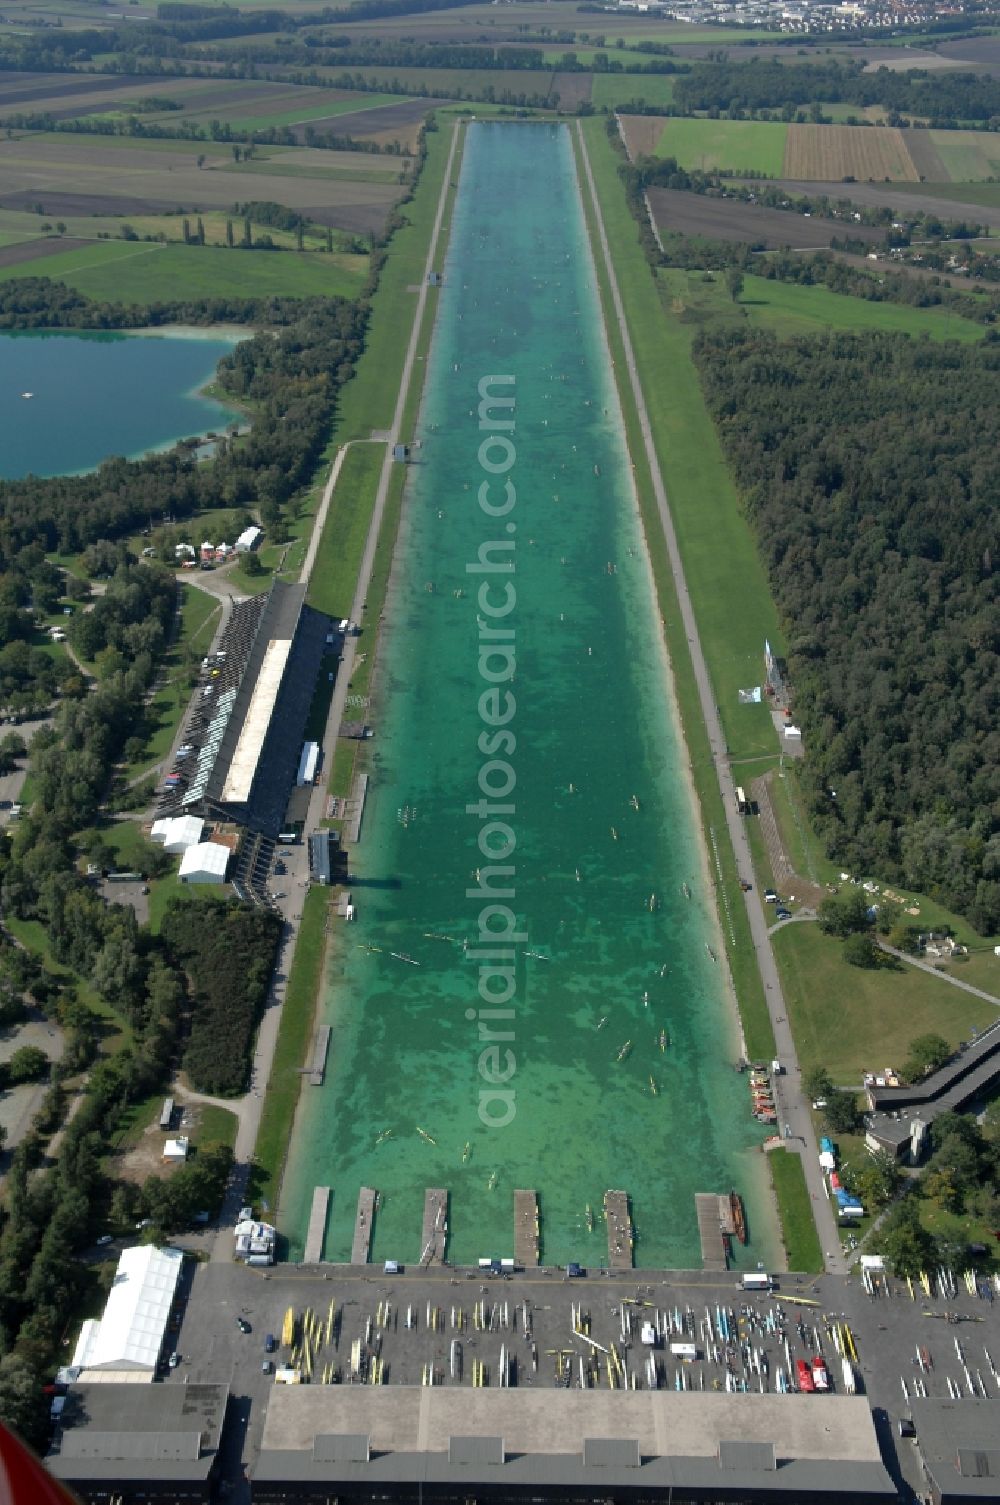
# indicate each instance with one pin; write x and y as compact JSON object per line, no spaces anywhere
{"x":523,"y":719}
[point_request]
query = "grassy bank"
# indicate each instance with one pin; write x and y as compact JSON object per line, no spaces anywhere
{"x":294,"y":1033}
{"x":663,"y":388}
{"x":335,"y":574}
{"x":850,"y":1020}
{"x":369,"y":399}
{"x":788,"y":1179}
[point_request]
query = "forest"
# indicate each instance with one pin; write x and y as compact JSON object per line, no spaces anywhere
{"x":945,"y":98}
{"x":227,"y":950}
{"x":866,"y":464}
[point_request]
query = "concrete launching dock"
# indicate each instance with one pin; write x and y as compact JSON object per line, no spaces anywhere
{"x":356,"y":809}
{"x":526,"y":1229}
{"x":361,"y":1247}
{"x":619,"y":1221}
{"x":316,"y":1069}
{"x":709,"y":1206}
{"x":313,"y":1252}
{"x":434,"y":1236}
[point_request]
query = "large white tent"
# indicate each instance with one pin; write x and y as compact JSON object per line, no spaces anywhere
{"x":177,"y":832}
{"x":126,"y":1342}
{"x":204,"y":863}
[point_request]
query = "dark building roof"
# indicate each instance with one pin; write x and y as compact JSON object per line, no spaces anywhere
{"x":568,"y":1445}
{"x":974,"y":1071}
{"x":138,"y":1433}
{"x":959,"y":1443}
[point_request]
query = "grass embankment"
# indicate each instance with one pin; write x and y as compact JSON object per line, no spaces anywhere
{"x":676,"y":409}
{"x":294,"y":1033}
{"x":798,"y":1228}
{"x":369,"y":399}
{"x":851,"y":1021}
{"x":335,"y":574}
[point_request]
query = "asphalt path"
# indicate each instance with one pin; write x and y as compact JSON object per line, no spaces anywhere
{"x":794,"y":1116}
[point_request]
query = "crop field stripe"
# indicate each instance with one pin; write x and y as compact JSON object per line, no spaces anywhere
{"x":334,"y":109}
{"x":756,"y":146}
{"x":828,"y":153}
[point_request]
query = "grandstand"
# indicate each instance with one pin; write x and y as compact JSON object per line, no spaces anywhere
{"x":246,"y":727}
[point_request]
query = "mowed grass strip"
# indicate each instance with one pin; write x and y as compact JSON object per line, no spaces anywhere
{"x":802,"y":1248}
{"x":137,"y":272}
{"x":369,"y":399}
{"x":613,"y":89}
{"x":851,"y":1020}
{"x":338,"y":559}
{"x":294,"y":1034}
{"x":829,"y":153}
{"x":753,"y":146}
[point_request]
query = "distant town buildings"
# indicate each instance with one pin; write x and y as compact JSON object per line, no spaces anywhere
{"x":798,"y":16}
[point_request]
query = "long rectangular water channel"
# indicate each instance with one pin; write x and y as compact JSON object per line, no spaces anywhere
{"x":561,"y":1024}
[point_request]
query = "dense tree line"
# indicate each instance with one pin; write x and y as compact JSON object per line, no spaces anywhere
{"x":946,"y":97}
{"x":228,"y":953}
{"x":867,"y":468}
{"x":962,"y":1178}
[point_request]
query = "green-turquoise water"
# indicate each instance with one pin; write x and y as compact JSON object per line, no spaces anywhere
{"x":614,"y":953}
{"x":100,"y":394}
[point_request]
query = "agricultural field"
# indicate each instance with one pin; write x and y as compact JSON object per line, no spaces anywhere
{"x":79,"y":175}
{"x":119,"y":271}
{"x":751,"y":146}
{"x":614,"y":89}
{"x":831,"y":152}
{"x":977,"y":201}
{"x":968,"y":156}
{"x":749,"y":224}
{"x":469,"y":83}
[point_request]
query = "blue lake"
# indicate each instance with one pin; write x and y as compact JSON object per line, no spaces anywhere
{"x":95,"y":395}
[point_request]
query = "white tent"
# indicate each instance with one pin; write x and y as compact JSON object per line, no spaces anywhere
{"x":248,"y":539}
{"x":126,"y":1342}
{"x":204,"y":863}
{"x":177,"y":832}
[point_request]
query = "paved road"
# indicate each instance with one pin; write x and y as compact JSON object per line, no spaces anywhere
{"x":296,"y":881}
{"x":793,"y":1110}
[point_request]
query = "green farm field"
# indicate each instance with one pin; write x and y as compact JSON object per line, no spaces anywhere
{"x":615,"y":89}
{"x":968,"y":156}
{"x":753,"y":146}
{"x":125,"y":271}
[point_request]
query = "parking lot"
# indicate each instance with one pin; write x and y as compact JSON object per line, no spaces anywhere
{"x":540,"y":1329}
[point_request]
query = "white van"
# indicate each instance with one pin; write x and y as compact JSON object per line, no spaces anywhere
{"x":756,"y":1280}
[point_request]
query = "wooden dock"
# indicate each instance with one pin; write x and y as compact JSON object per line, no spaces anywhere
{"x":434,"y":1236}
{"x":313,"y":1252}
{"x":711,"y":1229}
{"x":316,"y":1069}
{"x":618,"y":1216}
{"x":361,"y":1247}
{"x":356,"y":809}
{"x":526,"y":1229}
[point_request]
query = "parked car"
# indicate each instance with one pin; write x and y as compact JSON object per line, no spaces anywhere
{"x":770,"y":897}
{"x":174,"y":1360}
{"x":243,"y":1325}
{"x":782,"y":914}
{"x":267,"y":1367}
{"x":269,"y":1343}
{"x":105,"y":1238}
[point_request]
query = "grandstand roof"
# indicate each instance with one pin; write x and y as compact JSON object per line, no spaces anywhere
{"x":129,"y":1336}
{"x":243,"y":764}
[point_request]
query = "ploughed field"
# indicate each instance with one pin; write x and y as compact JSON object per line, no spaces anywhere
{"x":680,"y":213}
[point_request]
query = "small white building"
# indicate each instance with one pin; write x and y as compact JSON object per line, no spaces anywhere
{"x":176,"y":1150}
{"x":255,"y":1242}
{"x":248,"y":540}
{"x":124,"y":1345}
{"x":206,"y":862}
{"x":175,"y":833}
